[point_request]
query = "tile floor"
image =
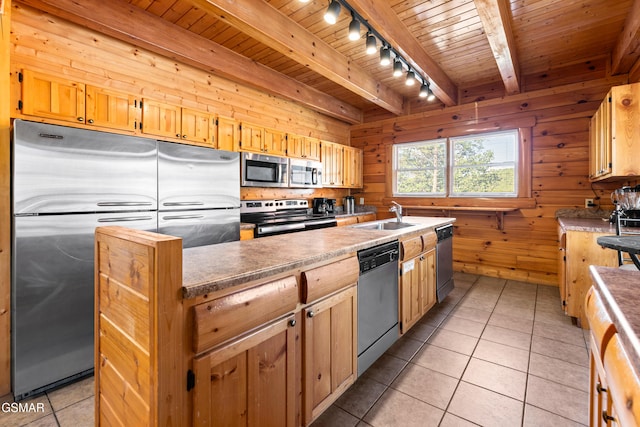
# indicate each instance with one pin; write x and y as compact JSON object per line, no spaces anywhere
{"x":494,"y":353}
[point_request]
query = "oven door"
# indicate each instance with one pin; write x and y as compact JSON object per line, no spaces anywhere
{"x":259,"y":170}
{"x":305,"y":174}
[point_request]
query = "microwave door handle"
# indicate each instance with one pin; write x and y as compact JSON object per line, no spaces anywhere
{"x":314,"y":176}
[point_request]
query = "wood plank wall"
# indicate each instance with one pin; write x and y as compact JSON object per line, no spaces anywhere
{"x":526,"y":248}
{"x":52,"y":45}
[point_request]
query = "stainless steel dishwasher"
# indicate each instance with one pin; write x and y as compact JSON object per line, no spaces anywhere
{"x":444,"y":268}
{"x":377,"y":302}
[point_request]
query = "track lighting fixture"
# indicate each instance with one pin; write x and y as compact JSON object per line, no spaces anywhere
{"x":385,"y":56}
{"x":371,"y":43}
{"x":331,"y":15}
{"x":387,"y":51}
{"x":354,"y":28}
{"x":411,"y":78}
{"x":397,"y":68}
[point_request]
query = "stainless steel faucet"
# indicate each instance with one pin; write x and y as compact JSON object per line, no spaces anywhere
{"x":397,"y":209}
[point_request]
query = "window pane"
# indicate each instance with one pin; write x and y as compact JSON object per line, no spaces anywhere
{"x":485,"y":164}
{"x":420,"y":168}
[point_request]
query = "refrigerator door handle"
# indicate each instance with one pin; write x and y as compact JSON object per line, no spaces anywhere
{"x":183,"y":204}
{"x":125,"y":204}
{"x":170,"y":217}
{"x":126,"y":218}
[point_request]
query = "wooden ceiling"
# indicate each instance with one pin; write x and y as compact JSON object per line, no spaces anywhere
{"x":286,"y":48}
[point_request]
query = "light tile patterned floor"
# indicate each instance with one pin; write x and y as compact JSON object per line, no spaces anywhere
{"x":494,"y":353}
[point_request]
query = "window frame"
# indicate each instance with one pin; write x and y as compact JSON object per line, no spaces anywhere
{"x":524,"y":177}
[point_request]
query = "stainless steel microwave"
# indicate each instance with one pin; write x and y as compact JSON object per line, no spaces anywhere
{"x":261,"y":170}
{"x":305,"y":173}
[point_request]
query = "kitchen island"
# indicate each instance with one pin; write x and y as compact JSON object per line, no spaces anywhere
{"x":259,"y":330}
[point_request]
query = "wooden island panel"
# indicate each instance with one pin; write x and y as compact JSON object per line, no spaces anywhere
{"x":139,"y":328}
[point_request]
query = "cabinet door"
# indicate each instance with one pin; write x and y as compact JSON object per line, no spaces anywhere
{"x":160,"y":119}
{"x":251,"y":138}
{"x":327,"y":163}
{"x":427,"y":280}
{"x":352,"y":167}
{"x":330,"y":351}
{"x":562,"y":267}
{"x":52,"y":97}
{"x":275,"y":142}
{"x":582,"y":251}
{"x":228,"y":135}
{"x":410,"y":304}
{"x":295,"y":145}
{"x":110,"y":109}
{"x":251,"y":381}
{"x":311,"y":148}
{"x":624,"y":128}
{"x":196,"y":126}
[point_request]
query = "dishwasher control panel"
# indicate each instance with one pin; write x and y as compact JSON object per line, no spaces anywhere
{"x":378,"y":256}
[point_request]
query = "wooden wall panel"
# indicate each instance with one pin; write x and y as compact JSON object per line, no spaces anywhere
{"x":526,"y":246}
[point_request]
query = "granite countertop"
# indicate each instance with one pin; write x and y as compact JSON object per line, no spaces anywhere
{"x":594,"y":225}
{"x":345,"y":215}
{"x":619,"y":292}
{"x":211,"y":268}
{"x":628,"y":243}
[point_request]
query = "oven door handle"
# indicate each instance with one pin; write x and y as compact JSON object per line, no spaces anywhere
{"x":265,"y":229}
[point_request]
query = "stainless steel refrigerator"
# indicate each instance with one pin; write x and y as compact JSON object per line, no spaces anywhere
{"x":66,"y":182}
{"x":198,"y":194}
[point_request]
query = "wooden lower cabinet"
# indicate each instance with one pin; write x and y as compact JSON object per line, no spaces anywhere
{"x":252,"y":381}
{"x":329,"y":351}
{"x":417,"y":280}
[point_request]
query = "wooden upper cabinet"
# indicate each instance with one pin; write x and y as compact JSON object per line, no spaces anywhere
{"x":275,"y":142}
{"x":161,"y":119}
{"x":228,"y":134}
{"x":52,"y":97}
{"x":251,"y":137}
{"x":303,"y":147}
{"x":197,"y":126}
{"x":352,"y":167}
{"x":615,"y":135}
{"x":111,"y":109}
{"x":332,"y":164}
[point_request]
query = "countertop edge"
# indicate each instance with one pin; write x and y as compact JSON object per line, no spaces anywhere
{"x":611,"y":283}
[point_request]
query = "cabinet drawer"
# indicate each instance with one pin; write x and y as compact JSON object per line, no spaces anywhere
{"x":411,"y":247}
{"x":227,"y":317}
{"x":602,"y":327}
{"x":429,"y":240}
{"x":329,"y":278}
{"x":624,"y":386}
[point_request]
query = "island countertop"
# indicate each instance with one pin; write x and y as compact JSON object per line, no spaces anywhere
{"x":212,"y":268}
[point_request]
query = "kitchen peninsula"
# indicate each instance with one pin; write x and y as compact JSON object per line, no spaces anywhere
{"x":260,"y":329}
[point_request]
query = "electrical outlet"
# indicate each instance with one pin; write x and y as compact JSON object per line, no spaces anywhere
{"x":588,"y":203}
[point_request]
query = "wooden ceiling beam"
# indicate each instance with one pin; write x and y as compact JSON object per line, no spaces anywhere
{"x":496,"y":21}
{"x":627,"y":49}
{"x":386,"y":22}
{"x":263,"y":22}
{"x":131,"y":24}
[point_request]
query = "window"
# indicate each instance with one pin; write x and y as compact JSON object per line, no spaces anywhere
{"x":483,"y":165}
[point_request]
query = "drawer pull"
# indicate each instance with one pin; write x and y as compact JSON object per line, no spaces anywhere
{"x":600,"y":389}
{"x":292,"y":322}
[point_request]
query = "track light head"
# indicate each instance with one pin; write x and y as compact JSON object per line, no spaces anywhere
{"x":430,"y":96}
{"x":371,"y":44}
{"x":424,"y":90}
{"x":385,"y":56}
{"x":397,"y":68}
{"x":411,"y":78}
{"x":331,"y":15}
{"x":354,"y":29}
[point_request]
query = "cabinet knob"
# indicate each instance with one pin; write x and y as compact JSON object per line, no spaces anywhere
{"x":81,"y":119}
{"x":184,"y":136}
{"x":311,"y":314}
{"x":90,"y":121}
{"x":292,"y":322}
{"x":606,"y":417}
{"x":177,"y":135}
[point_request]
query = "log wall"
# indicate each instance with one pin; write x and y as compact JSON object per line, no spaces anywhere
{"x":526,"y":247}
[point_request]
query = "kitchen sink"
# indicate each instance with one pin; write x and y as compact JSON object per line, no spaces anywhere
{"x":391,"y":225}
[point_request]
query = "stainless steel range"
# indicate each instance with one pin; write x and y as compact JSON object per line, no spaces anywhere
{"x":281,"y":216}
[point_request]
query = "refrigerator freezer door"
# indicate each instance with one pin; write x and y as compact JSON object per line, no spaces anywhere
{"x":201,"y":227}
{"x":191,"y":177}
{"x":52,"y":316}
{"x":59,"y":169}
